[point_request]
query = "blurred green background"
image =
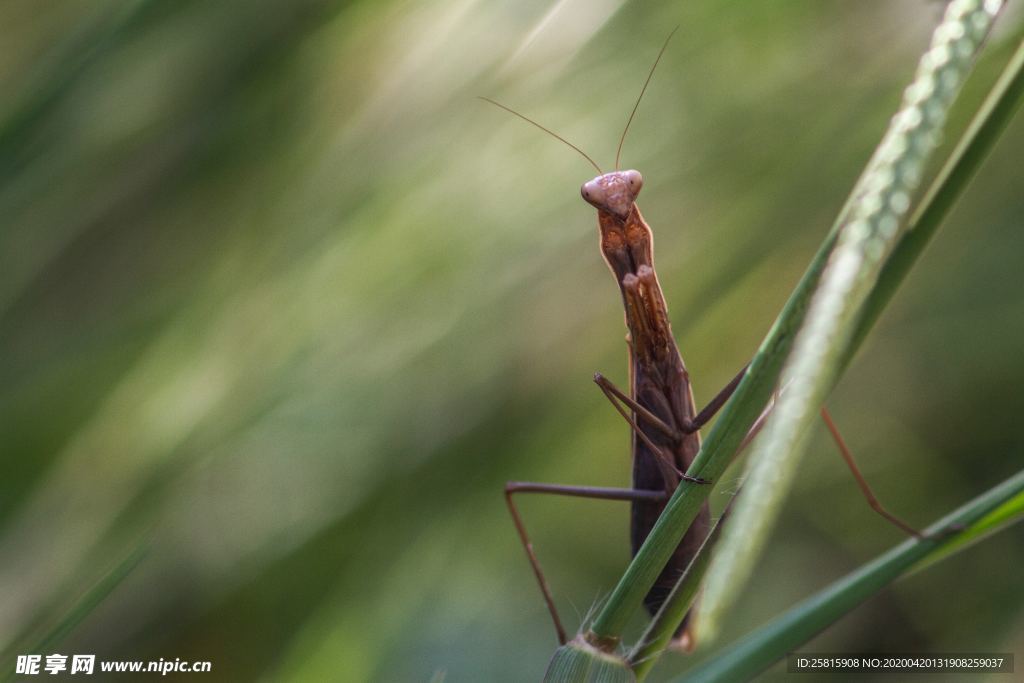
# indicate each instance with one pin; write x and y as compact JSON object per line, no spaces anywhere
{"x":281,"y":301}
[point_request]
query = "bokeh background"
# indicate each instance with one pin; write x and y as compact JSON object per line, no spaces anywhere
{"x":283,"y":303}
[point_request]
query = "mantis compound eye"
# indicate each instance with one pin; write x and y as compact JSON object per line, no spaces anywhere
{"x":593,"y":193}
{"x":635,"y":180}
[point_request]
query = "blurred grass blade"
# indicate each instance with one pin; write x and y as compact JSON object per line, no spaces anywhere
{"x":754,"y":653}
{"x":973,"y":148}
{"x":78,"y":612}
{"x":80,"y":52}
{"x":854,"y":267}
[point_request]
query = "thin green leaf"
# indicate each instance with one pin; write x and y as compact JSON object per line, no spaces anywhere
{"x":757,"y":651}
{"x":661,"y":629}
{"x":968,"y":154}
{"x":725,"y":437}
{"x":818,"y":354}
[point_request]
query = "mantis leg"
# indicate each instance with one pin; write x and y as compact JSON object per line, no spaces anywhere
{"x":619,"y":399}
{"x":851,"y":462}
{"x":599,"y":493}
{"x":715,"y":404}
{"x":865,"y":488}
{"x":614,"y":395}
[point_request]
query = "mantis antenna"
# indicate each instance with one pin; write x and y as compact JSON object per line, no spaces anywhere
{"x":549,"y":132}
{"x":618,"y":152}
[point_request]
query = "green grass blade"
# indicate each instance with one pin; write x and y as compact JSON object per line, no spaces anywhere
{"x":726,"y":435}
{"x":995,"y":521}
{"x":973,"y":148}
{"x":968,"y":154}
{"x":580,"y":662}
{"x":754,"y":653}
{"x":78,"y":612}
{"x":854,"y":267}
{"x":659,"y":632}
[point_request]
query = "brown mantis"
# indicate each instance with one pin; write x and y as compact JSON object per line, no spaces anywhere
{"x":659,"y":406}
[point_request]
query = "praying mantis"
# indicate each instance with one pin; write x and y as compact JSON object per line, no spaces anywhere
{"x":659,"y":406}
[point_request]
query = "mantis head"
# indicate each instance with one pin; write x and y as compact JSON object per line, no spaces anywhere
{"x":613,"y":192}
